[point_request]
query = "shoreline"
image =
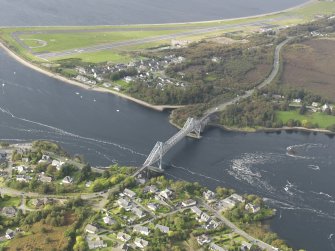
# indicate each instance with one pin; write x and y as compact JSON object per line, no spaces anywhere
{"x":265,"y":130}
{"x":63,"y":79}
{"x":175,"y":23}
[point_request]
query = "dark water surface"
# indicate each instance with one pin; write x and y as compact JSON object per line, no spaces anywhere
{"x":108,"y":12}
{"x":108,"y":129}
{"x":301,"y":187}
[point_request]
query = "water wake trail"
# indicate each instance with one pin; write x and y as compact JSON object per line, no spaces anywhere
{"x":66,"y":133}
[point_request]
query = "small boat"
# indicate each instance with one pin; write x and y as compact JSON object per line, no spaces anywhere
{"x":118,"y":110}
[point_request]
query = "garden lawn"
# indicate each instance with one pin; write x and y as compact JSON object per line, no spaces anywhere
{"x":323,"y":120}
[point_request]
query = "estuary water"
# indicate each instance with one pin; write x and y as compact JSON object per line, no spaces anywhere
{"x":107,"y":129}
{"x":111,"y":12}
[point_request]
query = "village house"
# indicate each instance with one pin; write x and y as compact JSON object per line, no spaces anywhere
{"x":129,"y":193}
{"x":25,"y":160}
{"x":23,"y":178}
{"x":94,"y":241}
{"x":91,"y":229}
{"x":162,"y":228}
{"x":231,"y":201}
{"x":122,"y":247}
{"x":297,"y":100}
{"x":124,"y":203}
{"x":152,"y":206}
{"x":108,"y":220}
{"x":141,"y":243}
{"x":142,"y":230}
{"x":9,"y":211}
{"x":45,"y":179}
{"x":9,"y":234}
{"x":45,"y":159}
{"x":150,"y":189}
{"x":37,"y":202}
{"x":21,"y":169}
{"x":166,"y":194}
{"x":315,"y":104}
{"x":245,"y":246}
{"x":93,"y":244}
{"x":189,"y":203}
{"x":204,"y":217}
{"x":203,"y":239}
{"x":196,"y":210}
{"x":67,"y":180}
{"x":123,"y":237}
{"x":252,"y":208}
{"x":138,"y":212}
{"x":209,"y":195}
{"x":212,"y":224}
{"x":58,"y":164}
{"x":216,"y":247}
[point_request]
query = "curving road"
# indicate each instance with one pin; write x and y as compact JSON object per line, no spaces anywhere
{"x":267,"y":81}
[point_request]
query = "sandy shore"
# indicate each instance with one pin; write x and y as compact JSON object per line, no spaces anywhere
{"x":81,"y":85}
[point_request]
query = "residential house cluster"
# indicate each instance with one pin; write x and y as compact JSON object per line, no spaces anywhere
{"x":147,"y":71}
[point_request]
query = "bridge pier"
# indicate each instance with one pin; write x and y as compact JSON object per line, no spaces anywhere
{"x":160,"y":149}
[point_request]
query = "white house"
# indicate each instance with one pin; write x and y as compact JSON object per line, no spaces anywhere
{"x":139,"y":213}
{"x":45,"y":179}
{"x":123,"y":237}
{"x":67,"y":180}
{"x":93,"y":244}
{"x":252,"y":208}
{"x":91,"y":229}
{"x":209,"y":195}
{"x":142,"y":230}
{"x":23,"y":178}
{"x":152,"y":206}
{"x":58,"y":164}
{"x":45,"y":159}
{"x":141,"y":243}
{"x":189,"y":203}
{"x":10,"y":234}
{"x":166,"y":194}
{"x":9,"y":211}
{"x":124,"y":203}
{"x":204,"y":217}
{"x":108,"y":220}
{"x":203,"y":239}
{"x":196,"y":210}
{"x":216,"y":247}
{"x":315,"y":104}
{"x":129,"y":193}
{"x":163,"y":229}
{"x":21,"y":169}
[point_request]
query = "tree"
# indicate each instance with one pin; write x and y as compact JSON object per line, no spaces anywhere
{"x":303,"y":110}
{"x":80,"y":244}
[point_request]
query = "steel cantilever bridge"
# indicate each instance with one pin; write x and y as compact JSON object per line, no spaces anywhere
{"x":192,"y":125}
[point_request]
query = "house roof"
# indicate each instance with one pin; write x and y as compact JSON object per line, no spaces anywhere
{"x":91,"y":228}
{"x":162,"y":228}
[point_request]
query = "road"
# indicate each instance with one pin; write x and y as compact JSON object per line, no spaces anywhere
{"x":249,"y":93}
{"x":239,"y":231}
{"x":109,"y":46}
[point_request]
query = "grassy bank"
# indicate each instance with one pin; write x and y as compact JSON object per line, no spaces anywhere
{"x":323,"y":120}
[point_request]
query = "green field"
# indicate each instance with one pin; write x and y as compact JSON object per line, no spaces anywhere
{"x":101,"y":56}
{"x":10,"y":202}
{"x":321,"y":119}
{"x":66,"y":41}
{"x":78,"y":37}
